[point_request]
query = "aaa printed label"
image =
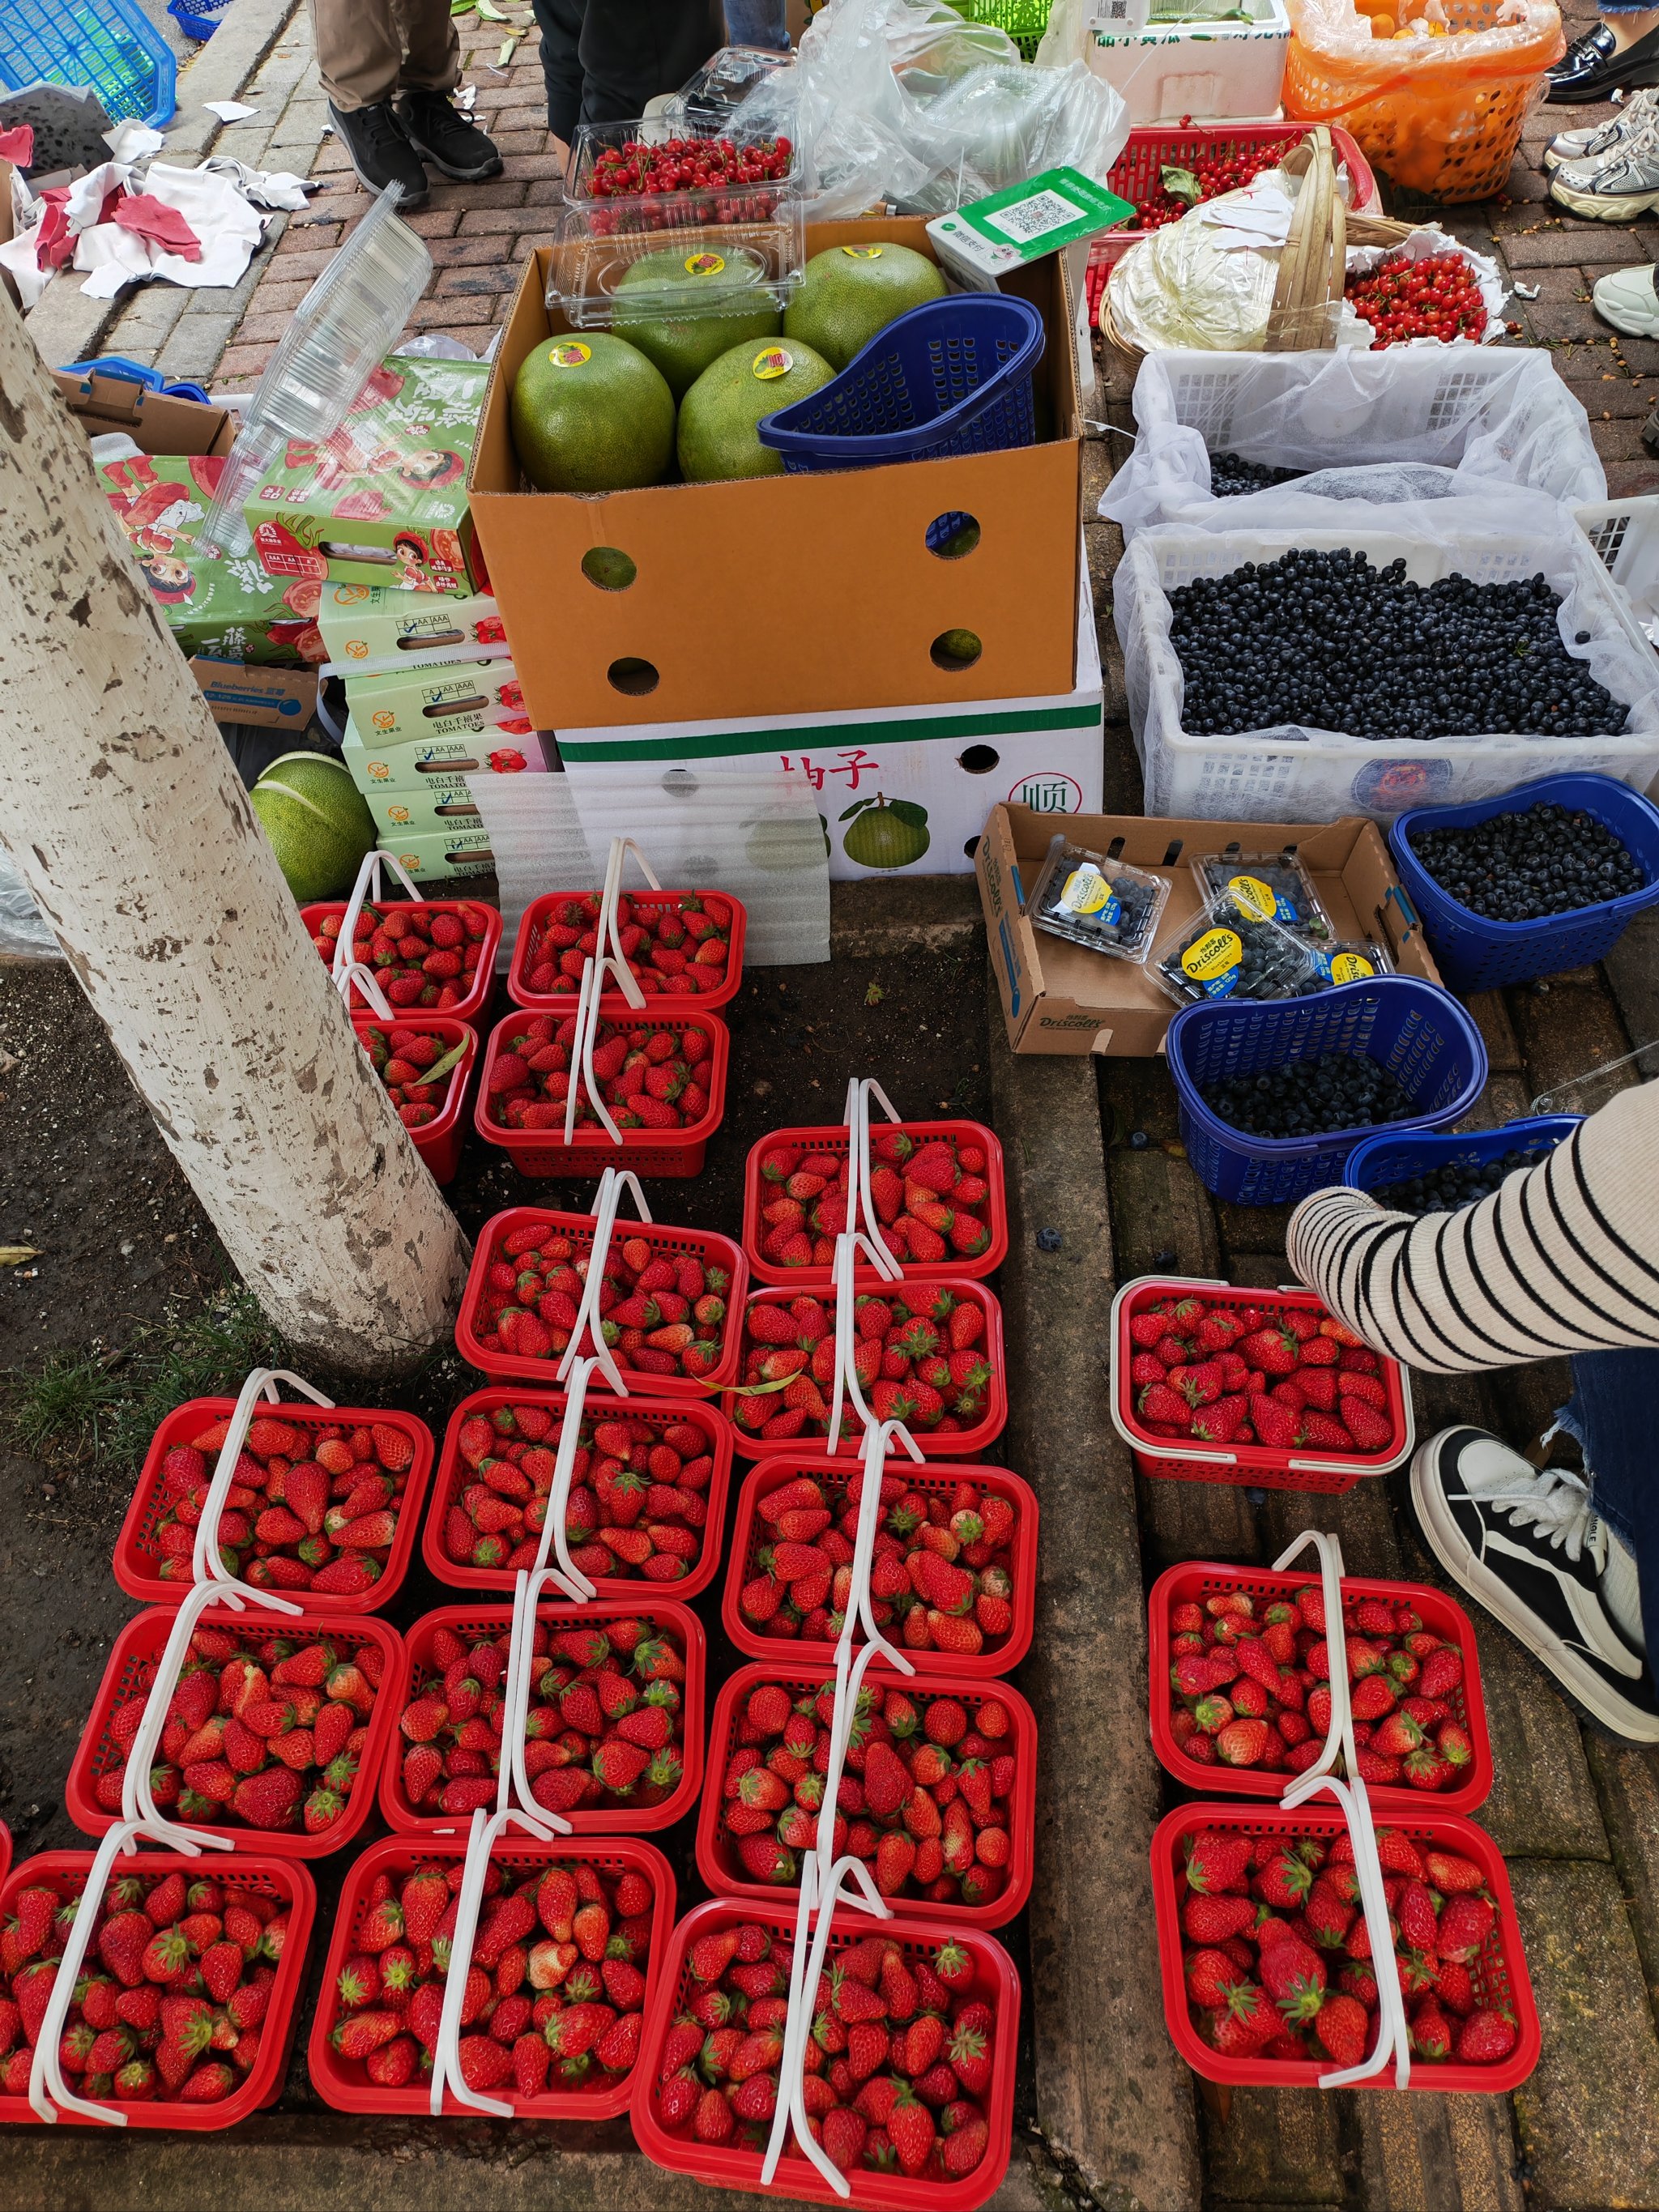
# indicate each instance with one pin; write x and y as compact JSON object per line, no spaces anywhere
{"x":569,"y":353}
{"x":776,"y":361}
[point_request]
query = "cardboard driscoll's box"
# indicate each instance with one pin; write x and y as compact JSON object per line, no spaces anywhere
{"x":782,"y":595}
{"x":1058,"y":997}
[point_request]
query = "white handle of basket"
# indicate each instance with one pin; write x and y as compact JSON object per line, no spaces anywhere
{"x":817,"y":1903}
{"x":446,"y":2056}
{"x":367,"y":982}
{"x":50,"y":2095}
{"x":521,"y":1661}
{"x":1338,"y":1737}
{"x":591,"y":1082}
{"x":607,"y":934}
{"x":553,"y":1535}
{"x":845,"y":1385}
{"x":367,"y":886}
{"x":607,"y":1200}
{"x":137,"y":1800}
{"x":589,"y":993}
{"x":1393,"y":2037}
{"x":866,"y":1205}
{"x":878,"y":1441}
{"x":586,"y":995}
{"x":206,"y":1565}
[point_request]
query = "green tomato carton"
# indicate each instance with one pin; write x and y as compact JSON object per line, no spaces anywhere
{"x":384,"y":501}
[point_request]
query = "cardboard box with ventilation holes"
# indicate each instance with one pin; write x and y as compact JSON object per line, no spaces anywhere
{"x":790,"y":595}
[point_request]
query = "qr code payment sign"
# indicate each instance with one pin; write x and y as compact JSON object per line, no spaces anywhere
{"x":1036,"y":217}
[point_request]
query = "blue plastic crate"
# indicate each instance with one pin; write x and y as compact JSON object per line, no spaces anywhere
{"x":1477,"y":955}
{"x":1416,"y":1030}
{"x":1387,"y":1159}
{"x":951,"y":377}
{"x":201,"y":20}
{"x":110,"y":45}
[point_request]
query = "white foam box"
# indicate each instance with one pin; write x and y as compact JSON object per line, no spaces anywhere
{"x":902,"y":790}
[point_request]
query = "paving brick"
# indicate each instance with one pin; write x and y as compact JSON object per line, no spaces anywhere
{"x":1543,"y":1803}
{"x":498,"y":192}
{"x":1424,"y":2153}
{"x":1158,"y":1207}
{"x":1195,"y":1520}
{"x":1361,"y":1517}
{"x":1590,"y":2115}
{"x":432,"y":314}
{"x":1619,"y":440}
{"x":515,"y":143}
{"x":1282,"y":2144}
{"x":489,"y":222}
{"x":1573,"y":249}
{"x":309,"y":263}
{"x":1612,"y":397}
{"x":261,"y":328}
{"x":1565,"y":1030}
{"x":433,"y":222}
{"x":1630,"y":479}
{"x":474,"y":280}
{"x":1492,"y":1016}
{"x":244,"y":361}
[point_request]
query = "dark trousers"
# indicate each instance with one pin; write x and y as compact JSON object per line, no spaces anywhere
{"x":604,"y":59}
{"x":1614,"y":1394}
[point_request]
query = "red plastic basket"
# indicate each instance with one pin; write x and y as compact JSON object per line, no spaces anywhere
{"x":345,"y":2083}
{"x":671,"y":1243}
{"x":478,"y":1621}
{"x":249,"y":1872}
{"x":1256,"y":1465}
{"x":138,"y":1556}
{"x":731,"y":2167}
{"x":648,"y":1151}
{"x":1153,"y":149}
{"x":750,"y":1534}
{"x":527,"y":950}
{"x":483,"y":981}
{"x":954,"y":1443}
{"x":5,"y":1850}
{"x":131,"y":1668}
{"x":1500,"y":1973}
{"x":453,"y":1475}
{"x":837,"y":1140}
{"x":438,"y":1141}
{"x":1196,"y":1579}
{"x":717,"y":1856}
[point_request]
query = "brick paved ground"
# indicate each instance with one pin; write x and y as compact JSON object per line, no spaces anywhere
{"x":1578,"y":1818}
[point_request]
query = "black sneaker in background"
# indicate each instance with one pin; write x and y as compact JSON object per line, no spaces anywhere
{"x":380,"y":152}
{"x":440,"y":134}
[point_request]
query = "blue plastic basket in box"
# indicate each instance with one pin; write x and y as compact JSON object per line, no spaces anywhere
{"x":199,"y":19}
{"x":1477,"y":955}
{"x":951,"y":377}
{"x":1416,"y":1030}
{"x":1380,"y":1161}
{"x":107,"y":44}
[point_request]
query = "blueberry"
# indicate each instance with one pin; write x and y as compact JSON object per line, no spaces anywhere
{"x":1445,"y":1189}
{"x":1307,"y":1097}
{"x":1230,"y":476}
{"x":1528,"y":866}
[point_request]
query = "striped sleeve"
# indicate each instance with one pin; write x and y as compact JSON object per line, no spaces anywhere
{"x":1564,"y":1257}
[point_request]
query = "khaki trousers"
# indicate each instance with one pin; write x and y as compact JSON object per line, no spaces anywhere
{"x":366,"y":50}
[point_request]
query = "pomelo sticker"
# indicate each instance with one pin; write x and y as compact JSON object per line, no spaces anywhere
{"x":704,"y":264}
{"x":1213,"y":959}
{"x":775,"y":361}
{"x":862,"y":253}
{"x":1259,"y":900}
{"x":568,"y":353}
{"x":1087,"y":891}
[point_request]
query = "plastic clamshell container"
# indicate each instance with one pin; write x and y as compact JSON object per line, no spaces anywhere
{"x":249,"y":1872}
{"x":1478,"y":954}
{"x":697,"y":205}
{"x":540,"y":913}
{"x":952,"y":376}
{"x":467,"y":1009}
{"x":702,"y":1244}
{"x":676,"y":1153}
{"x":438,"y":1141}
{"x":137,"y":1558}
{"x":1074,"y":885}
{"x":1173,"y":1459}
{"x":1414,"y":1030}
{"x":476,"y":1621}
{"x":722,"y":1868}
{"x":756,"y":263}
{"x":935,"y":1477}
{"x":956,"y":1443}
{"x":1202,"y":959}
{"x":729,"y":2166}
{"x":1195,"y":1580}
{"x":453,"y":1475}
{"x":1383,"y":1160}
{"x":132,"y":1662}
{"x":345,"y":2083}
{"x":1500,"y":1973}
{"x":835,"y":1139}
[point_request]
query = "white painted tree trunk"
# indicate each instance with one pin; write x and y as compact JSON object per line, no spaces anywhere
{"x":125,"y":816}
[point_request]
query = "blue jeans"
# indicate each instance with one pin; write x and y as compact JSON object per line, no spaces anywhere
{"x":759,"y":23}
{"x":1615,"y":1396}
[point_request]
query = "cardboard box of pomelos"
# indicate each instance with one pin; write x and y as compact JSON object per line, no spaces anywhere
{"x":790,"y":595}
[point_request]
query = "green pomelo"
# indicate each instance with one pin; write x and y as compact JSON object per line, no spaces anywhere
{"x":699,"y":308}
{"x":592,"y":414}
{"x":717,"y":436}
{"x":850,"y":292}
{"x":318,"y":826}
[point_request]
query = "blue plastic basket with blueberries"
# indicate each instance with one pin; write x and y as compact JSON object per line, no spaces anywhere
{"x":1476,"y":954}
{"x":1381,"y":1162}
{"x":1414,"y":1031}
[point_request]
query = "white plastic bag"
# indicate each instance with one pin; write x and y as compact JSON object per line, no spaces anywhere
{"x":1290,"y":773}
{"x":1366,"y":421}
{"x":24,"y":933}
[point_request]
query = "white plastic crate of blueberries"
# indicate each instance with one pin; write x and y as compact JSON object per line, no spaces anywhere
{"x":1426,"y":652}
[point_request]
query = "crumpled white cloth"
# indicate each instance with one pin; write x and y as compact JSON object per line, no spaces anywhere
{"x":269,"y":188}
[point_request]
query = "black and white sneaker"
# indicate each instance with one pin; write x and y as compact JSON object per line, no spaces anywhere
{"x":451,"y":142}
{"x":1526,"y":1543}
{"x":380,"y":152}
